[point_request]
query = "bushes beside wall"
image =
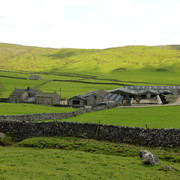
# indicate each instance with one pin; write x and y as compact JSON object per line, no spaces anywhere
{"x":119,"y":134}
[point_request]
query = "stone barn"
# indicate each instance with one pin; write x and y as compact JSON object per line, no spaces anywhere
{"x":47,"y":98}
{"x":94,"y":98}
{"x":35,"y":77}
{"x":90,"y":99}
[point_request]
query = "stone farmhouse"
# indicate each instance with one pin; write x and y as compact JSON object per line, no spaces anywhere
{"x":34,"y":77}
{"x":33,"y":96}
{"x":94,"y":98}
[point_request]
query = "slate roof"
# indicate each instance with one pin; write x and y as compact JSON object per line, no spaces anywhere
{"x":18,"y":92}
{"x":46,"y":94}
{"x":31,"y":92}
{"x":99,"y":92}
{"x":79,"y":96}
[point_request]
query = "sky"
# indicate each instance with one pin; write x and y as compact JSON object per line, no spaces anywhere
{"x":89,"y":23}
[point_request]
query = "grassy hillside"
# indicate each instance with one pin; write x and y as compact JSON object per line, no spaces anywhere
{"x":131,"y":63}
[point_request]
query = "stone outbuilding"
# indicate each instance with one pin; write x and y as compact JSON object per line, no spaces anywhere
{"x":47,"y":98}
{"x":35,"y":77}
{"x":94,"y":98}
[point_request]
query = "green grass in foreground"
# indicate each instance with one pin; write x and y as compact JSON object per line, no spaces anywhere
{"x":18,"y":108}
{"x":70,"y":162}
{"x":154,"y":117}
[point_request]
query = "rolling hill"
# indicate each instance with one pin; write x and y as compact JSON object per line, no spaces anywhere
{"x":130,"y":63}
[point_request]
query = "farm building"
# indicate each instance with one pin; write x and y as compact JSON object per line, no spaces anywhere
{"x":34,"y":77}
{"x":150,"y":94}
{"x":23,"y":95}
{"x":94,"y":98}
{"x":47,"y":98}
{"x":33,"y":96}
{"x":146,"y":91}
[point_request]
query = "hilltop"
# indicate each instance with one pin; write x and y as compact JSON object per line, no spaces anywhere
{"x":132,"y":63}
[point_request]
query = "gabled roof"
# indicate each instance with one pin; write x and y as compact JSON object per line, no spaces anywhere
{"x":78,"y":96}
{"x":18,"y":92}
{"x":46,"y":94}
{"x":99,"y":92}
{"x":22,"y":91}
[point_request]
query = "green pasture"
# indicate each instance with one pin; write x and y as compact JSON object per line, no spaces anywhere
{"x":73,"y":158}
{"x":153,"y":117}
{"x":69,"y":89}
{"x":131,"y":63}
{"x":9,"y":85}
{"x":18,"y":108}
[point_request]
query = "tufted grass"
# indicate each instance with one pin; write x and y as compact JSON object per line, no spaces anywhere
{"x":73,"y":158}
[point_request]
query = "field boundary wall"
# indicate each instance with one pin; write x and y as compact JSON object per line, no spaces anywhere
{"x":117,"y":134}
{"x":52,"y":116}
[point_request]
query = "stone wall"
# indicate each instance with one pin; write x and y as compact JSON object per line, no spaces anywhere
{"x":47,"y":116}
{"x":118,"y":134}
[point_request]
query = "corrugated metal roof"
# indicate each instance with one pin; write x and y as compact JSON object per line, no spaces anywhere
{"x":137,"y":90}
{"x":152,"y":87}
{"x":113,"y":97}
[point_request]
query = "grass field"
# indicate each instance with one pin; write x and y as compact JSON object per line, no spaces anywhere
{"x":68,"y":89}
{"x":17,"y":108}
{"x":73,"y":158}
{"x":153,"y":117}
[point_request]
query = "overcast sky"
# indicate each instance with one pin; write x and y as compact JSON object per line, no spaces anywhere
{"x":90,"y":23}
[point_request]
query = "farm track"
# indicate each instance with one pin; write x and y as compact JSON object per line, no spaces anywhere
{"x":41,"y":84}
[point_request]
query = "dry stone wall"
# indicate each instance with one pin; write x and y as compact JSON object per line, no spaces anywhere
{"x":118,"y":134}
{"x":47,"y":116}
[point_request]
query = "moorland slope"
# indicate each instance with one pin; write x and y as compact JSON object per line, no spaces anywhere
{"x":133,"y":63}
